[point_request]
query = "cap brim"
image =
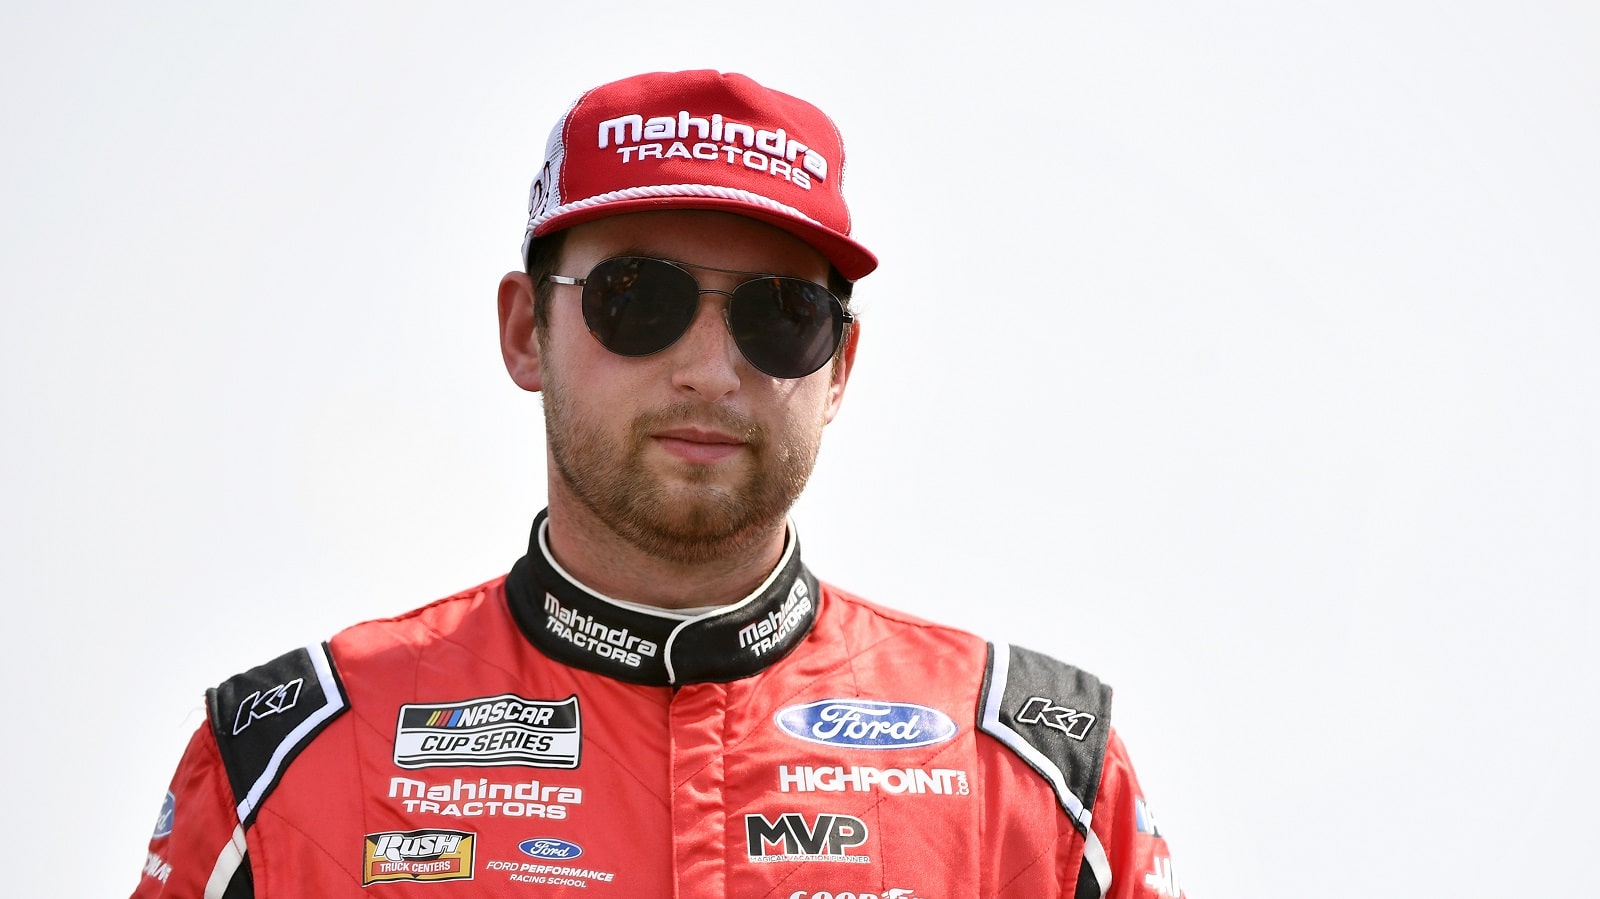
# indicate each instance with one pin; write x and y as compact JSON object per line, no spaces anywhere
{"x":853,"y":260}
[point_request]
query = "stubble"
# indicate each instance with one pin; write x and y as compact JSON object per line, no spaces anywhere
{"x":689,"y":515}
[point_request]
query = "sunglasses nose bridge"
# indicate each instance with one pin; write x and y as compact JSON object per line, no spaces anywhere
{"x":709,"y":351}
{"x":726,"y":306}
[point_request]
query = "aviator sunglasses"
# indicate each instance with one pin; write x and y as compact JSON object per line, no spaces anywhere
{"x":638,"y":305}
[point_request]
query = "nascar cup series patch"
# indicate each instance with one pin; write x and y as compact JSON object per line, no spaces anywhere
{"x":489,"y":731}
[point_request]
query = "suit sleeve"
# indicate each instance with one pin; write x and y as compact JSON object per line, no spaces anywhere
{"x":1141,"y":864}
{"x":198,"y":848}
{"x":257,"y":722}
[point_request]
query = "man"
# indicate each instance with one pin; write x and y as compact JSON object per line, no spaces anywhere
{"x":659,"y":699}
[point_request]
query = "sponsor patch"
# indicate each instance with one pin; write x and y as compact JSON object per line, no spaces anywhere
{"x":890,"y":893}
{"x":419,"y":855}
{"x":549,"y":866}
{"x":791,"y":838}
{"x":169,"y":807}
{"x":1143,"y":820}
{"x":866,"y":724}
{"x":1163,"y":881}
{"x":1039,"y":710}
{"x":768,"y":633}
{"x":489,"y":731}
{"x":262,"y":703}
{"x":715,"y":139}
{"x":550,"y":848}
{"x":156,"y":867}
{"x":861,"y":779}
{"x":591,"y":634}
{"x":482,"y":797}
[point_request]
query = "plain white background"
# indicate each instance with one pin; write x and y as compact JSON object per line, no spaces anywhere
{"x":1242,"y":353}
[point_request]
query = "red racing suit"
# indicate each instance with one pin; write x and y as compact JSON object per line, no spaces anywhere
{"x":530,"y":737}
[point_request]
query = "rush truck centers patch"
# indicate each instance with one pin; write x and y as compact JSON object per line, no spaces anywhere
{"x":421,"y":855}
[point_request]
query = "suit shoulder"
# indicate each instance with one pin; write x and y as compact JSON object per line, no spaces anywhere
{"x":417,"y":627}
{"x":1056,"y":716}
{"x":263,"y":718}
{"x":869,"y":614}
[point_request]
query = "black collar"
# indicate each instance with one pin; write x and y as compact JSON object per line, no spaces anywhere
{"x":575,"y":625}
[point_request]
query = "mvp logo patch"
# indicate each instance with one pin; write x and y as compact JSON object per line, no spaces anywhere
{"x":791,"y":839}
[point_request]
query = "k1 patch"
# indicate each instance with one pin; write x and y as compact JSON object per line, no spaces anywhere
{"x":489,"y":731}
{"x":420,"y":855}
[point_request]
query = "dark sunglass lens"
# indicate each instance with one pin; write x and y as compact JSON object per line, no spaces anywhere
{"x":786,"y":327}
{"x":637,"y":306}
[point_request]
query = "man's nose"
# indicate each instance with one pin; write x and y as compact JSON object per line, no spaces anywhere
{"x":705,"y":360}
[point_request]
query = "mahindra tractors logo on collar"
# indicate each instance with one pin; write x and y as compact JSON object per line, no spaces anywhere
{"x":866,"y":724}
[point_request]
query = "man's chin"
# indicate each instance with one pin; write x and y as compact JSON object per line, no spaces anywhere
{"x":700,"y":515}
{"x":700,"y":525}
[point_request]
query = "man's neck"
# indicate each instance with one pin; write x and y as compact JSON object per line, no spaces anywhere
{"x":606,"y":562}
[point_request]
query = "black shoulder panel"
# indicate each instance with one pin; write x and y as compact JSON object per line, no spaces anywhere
{"x":265,"y":716}
{"x":1056,"y":717}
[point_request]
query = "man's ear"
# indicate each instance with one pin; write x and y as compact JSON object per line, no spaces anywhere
{"x":519,"y":337}
{"x":840,"y":374}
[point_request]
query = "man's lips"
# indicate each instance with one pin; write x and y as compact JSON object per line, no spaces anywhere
{"x":698,"y":445}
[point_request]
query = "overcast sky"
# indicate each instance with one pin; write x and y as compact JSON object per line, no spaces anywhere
{"x":1242,"y":353}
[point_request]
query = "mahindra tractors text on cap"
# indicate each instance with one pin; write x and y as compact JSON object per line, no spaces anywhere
{"x":698,"y":140}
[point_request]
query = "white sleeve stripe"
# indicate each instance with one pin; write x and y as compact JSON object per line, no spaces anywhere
{"x":333,"y":705}
{"x":227,"y":864}
{"x":1093,"y":853}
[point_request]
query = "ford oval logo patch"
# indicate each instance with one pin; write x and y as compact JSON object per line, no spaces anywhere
{"x":550,"y":847}
{"x":866,"y":724}
{"x":164,"y":820}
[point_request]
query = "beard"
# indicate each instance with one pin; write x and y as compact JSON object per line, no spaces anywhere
{"x":692,"y":515}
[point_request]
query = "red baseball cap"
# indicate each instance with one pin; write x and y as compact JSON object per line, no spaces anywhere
{"x":698,"y":140}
